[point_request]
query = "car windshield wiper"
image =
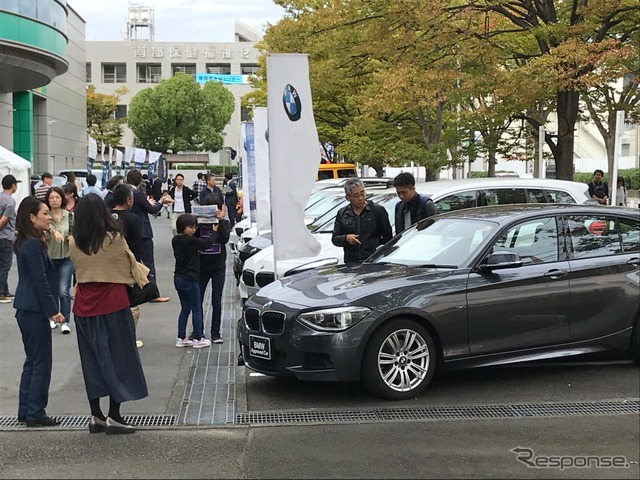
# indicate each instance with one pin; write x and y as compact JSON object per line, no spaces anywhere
{"x":435,"y":265}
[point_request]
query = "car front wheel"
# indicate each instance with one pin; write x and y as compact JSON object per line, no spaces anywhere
{"x":399,"y":360}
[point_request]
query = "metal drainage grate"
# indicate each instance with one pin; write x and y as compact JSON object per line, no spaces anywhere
{"x":82,"y":421}
{"x":472,"y":412}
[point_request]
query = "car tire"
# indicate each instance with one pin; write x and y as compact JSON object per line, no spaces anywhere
{"x":393,"y":373}
{"x":634,"y":347}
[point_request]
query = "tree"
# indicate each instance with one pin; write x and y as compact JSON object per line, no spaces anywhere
{"x":571,"y":43}
{"x":102,"y":125}
{"x":179,"y":115}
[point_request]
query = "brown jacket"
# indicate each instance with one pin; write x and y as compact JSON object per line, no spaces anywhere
{"x":114,"y":263}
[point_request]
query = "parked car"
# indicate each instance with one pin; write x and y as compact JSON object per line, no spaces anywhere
{"x":382,"y":182}
{"x":448,"y":195}
{"x":474,"y":287}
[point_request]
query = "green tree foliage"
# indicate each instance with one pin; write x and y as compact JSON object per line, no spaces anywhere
{"x":179,"y":115}
{"x":102,"y":125}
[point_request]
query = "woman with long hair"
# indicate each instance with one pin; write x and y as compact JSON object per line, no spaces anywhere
{"x":104,"y":323}
{"x":36,"y":302}
{"x":57,"y":238}
{"x":71,"y":196}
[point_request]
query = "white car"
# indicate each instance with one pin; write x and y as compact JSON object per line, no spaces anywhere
{"x":448,"y":195}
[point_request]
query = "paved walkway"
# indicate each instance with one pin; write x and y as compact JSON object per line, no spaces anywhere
{"x":198,"y":387}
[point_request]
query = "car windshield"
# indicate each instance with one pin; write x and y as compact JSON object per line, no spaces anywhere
{"x":323,"y":205}
{"x":444,"y":242}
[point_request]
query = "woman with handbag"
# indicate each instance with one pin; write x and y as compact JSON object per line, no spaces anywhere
{"x":104,"y":323}
{"x":36,"y":302}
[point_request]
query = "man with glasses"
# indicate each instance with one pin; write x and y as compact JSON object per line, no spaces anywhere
{"x":361,"y":226}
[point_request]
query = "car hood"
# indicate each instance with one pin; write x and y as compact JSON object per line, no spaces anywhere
{"x":344,"y":285}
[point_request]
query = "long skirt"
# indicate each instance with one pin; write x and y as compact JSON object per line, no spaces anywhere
{"x":109,"y":357}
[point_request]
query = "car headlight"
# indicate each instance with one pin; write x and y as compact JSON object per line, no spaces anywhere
{"x":334,"y":319}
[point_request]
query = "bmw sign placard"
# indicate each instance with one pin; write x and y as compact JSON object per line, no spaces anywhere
{"x":291,"y":102}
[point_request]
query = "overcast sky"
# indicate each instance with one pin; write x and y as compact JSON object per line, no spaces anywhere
{"x":178,"y":20}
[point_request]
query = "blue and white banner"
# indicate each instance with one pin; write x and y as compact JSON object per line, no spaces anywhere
{"x":294,"y":155}
{"x":249,"y":185}
{"x":153,"y":167}
{"x":138,"y":158}
{"x":244,"y":176}
{"x":221,"y":77}
{"x":118,"y":162}
{"x":129,"y":152}
{"x":263,"y":200}
{"x":92,"y":153}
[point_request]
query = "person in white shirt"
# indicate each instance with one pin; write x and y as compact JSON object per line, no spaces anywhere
{"x":621,"y":193}
{"x":182,"y":198}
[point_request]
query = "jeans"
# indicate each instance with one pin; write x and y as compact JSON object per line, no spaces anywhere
{"x":217,"y":285}
{"x":6,"y":257}
{"x":189,"y":294}
{"x":64,"y":269}
{"x":36,"y":372}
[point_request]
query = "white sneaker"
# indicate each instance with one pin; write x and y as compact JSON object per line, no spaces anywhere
{"x":183,"y":342}
{"x":65,"y":329}
{"x":202,"y":343}
{"x":53,"y":324}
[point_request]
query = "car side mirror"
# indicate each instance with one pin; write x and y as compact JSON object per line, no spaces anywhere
{"x":500,"y":261}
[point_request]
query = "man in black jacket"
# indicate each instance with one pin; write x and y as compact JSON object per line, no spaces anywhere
{"x":361,"y":226}
{"x":412,"y":206}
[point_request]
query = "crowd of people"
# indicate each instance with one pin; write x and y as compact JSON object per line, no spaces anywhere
{"x":77,"y":254}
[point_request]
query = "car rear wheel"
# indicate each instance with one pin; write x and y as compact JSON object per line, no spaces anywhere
{"x":399,"y":360}
{"x":634,"y":347}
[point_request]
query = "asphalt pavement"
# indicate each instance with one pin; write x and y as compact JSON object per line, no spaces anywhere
{"x":205,"y":417}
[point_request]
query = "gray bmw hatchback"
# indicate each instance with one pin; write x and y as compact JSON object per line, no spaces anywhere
{"x":471,"y":288}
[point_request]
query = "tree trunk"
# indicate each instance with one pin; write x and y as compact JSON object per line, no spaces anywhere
{"x":379,"y":171}
{"x":567,"y":111}
{"x":491,"y":156}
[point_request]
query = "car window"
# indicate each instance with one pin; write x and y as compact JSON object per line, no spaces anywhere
{"x":594,"y":236}
{"x":558,"y":196}
{"x":457,"y":201}
{"x":450,"y":241}
{"x":630,"y":233}
{"x":505,"y":196}
{"x":535,"y":195}
{"x":535,"y":241}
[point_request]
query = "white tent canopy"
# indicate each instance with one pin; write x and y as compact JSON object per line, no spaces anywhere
{"x":12,"y":164}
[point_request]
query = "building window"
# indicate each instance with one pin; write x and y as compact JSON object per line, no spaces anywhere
{"x":114,"y":73}
{"x":219,"y":68}
{"x":188,"y":68}
{"x":249,"y":68}
{"x":149,"y":73}
{"x":121,"y":111}
{"x":88,"y":73}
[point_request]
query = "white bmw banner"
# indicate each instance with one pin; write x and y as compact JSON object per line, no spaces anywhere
{"x":263,"y":202}
{"x":294,"y":155}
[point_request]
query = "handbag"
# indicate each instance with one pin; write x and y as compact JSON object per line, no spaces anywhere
{"x":138,"y":296}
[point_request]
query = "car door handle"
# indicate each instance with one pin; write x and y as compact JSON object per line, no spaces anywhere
{"x":634,"y":261}
{"x":555,"y":274}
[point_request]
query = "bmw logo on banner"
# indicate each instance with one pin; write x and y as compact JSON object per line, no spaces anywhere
{"x":291,"y":101}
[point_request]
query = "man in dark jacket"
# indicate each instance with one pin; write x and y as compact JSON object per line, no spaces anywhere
{"x":231,"y":198}
{"x":412,"y":206}
{"x":361,"y":226}
{"x":598,"y":189}
{"x":143,"y":208}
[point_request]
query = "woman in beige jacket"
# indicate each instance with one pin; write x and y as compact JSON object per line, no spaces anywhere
{"x":106,"y":333}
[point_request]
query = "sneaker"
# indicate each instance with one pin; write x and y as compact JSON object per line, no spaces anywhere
{"x":183,"y":342}
{"x":139,"y":344}
{"x":9,"y":295}
{"x":216,"y":339}
{"x":65,"y":329}
{"x":53,"y":324}
{"x":202,"y":343}
{"x":4,"y":299}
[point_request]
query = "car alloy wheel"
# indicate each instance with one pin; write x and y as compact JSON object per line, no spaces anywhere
{"x":399,"y":360}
